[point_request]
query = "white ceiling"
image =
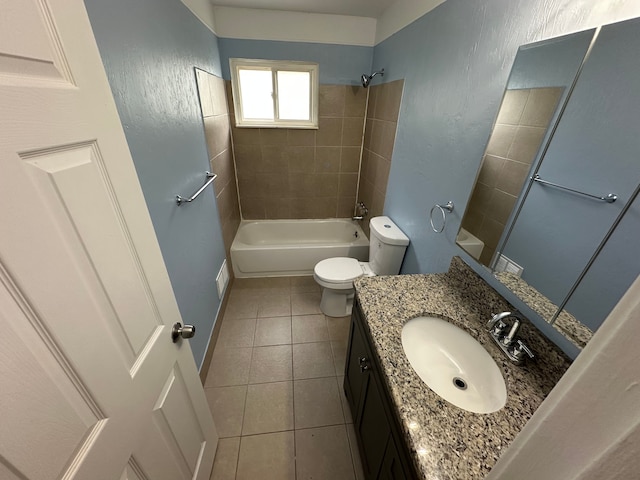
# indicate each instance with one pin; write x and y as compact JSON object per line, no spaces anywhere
{"x":360,"y":8}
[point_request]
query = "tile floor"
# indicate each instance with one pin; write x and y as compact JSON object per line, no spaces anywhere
{"x":275,"y":386}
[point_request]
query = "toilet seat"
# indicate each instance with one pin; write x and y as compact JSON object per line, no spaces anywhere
{"x":338,"y":272}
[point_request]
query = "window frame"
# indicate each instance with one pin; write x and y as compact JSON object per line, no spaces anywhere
{"x":236,"y":64}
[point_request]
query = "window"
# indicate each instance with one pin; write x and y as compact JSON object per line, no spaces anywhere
{"x":269,"y":93}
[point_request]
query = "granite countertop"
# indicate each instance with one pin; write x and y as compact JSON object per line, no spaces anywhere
{"x":447,"y":442}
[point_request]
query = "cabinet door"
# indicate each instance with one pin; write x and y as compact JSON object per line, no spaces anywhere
{"x":391,"y":464}
{"x":372,"y":427}
{"x":357,"y":359}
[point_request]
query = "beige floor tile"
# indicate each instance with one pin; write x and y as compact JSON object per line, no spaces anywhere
{"x":309,"y":328}
{"x":339,"y":350}
{"x":304,"y":285}
{"x":238,"y":294}
{"x":269,"y":408}
{"x":275,"y":306}
{"x":224,"y":466}
{"x":271,"y":364}
{"x":241,"y":307}
{"x":237,"y":332}
{"x":346,"y":410}
{"x":323,"y":454}
{"x":312,"y":360}
{"x":305,"y":303}
{"x":263,"y":286}
{"x":229,"y":366}
{"x":272,"y":331}
{"x":339,"y":328}
{"x":261,"y":283}
{"x":355,"y":453}
{"x":267,"y":457}
{"x":227,"y":406}
{"x":317,"y":403}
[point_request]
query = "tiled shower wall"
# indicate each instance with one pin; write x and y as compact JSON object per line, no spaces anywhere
{"x":211,"y":90}
{"x":380,"y":133}
{"x":520,"y":128}
{"x":294,"y":173}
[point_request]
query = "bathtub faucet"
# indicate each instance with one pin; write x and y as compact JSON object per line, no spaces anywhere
{"x":361,"y":211}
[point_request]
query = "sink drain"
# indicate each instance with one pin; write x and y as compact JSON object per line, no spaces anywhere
{"x":459,"y":383}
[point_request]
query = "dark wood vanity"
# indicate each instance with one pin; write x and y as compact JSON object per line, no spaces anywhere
{"x":384,"y":453}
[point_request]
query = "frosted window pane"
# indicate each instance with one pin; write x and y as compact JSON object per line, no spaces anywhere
{"x":294,"y":95}
{"x":256,"y":90}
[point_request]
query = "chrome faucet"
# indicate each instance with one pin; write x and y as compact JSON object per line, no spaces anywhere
{"x":511,"y":346}
{"x":361,"y":211}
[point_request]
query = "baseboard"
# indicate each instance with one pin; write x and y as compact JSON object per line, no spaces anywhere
{"x":206,"y":363}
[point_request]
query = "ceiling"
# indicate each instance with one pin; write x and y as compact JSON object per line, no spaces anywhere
{"x":360,"y":8}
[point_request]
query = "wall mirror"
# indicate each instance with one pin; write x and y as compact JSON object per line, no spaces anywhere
{"x":567,"y":117}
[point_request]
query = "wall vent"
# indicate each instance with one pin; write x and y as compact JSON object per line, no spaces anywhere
{"x":222,"y":279}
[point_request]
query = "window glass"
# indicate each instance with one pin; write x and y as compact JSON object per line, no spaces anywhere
{"x":274,"y":93}
{"x":256,"y":87}
{"x":294,"y":95}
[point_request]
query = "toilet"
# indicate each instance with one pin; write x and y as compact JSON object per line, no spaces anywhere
{"x":387,"y":245}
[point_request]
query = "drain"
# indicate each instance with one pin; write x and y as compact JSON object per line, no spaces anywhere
{"x":459,"y":383}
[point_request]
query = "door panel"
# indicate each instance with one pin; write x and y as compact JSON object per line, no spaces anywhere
{"x":75,"y":176}
{"x":95,"y":386}
{"x":373,"y":427}
{"x":39,"y":390}
{"x":355,"y":379}
{"x":35,"y":53}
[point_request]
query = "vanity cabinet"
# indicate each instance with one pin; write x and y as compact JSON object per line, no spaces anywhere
{"x":384,"y":453}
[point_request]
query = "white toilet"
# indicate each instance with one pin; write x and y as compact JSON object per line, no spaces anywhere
{"x":387,"y":245}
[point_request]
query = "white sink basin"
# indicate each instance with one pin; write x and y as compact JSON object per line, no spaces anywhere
{"x":454,"y":365}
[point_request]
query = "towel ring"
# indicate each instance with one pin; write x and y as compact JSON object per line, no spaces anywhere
{"x":443,"y":210}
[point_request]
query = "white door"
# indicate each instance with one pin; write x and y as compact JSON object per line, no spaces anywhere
{"x":91,"y":384}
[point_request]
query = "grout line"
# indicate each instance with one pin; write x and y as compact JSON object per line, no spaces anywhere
{"x":292,"y":381}
{"x":353,"y":460}
{"x":264,"y":433}
{"x":293,"y":401}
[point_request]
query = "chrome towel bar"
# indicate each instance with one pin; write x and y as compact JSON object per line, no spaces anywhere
{"x":609,"y":198}
{"x":210,"y":178}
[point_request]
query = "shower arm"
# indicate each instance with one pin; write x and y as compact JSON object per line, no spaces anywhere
{"x":367,"y":79}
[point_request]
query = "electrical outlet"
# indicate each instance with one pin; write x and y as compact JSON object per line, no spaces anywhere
{"x":505,"y":264}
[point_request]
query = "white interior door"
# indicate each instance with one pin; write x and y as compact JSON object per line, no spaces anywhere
{"x":91,"y":384}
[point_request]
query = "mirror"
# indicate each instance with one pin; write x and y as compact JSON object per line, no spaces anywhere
{"x":536,"y":93}
{"x":554,"y":248}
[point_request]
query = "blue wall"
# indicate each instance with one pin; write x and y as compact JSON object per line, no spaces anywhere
{"x":455,"y":61}
{"x":149,"y":49}
{"x":339,"y":64}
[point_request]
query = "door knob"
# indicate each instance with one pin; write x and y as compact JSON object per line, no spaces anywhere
{"x":178,"y":330}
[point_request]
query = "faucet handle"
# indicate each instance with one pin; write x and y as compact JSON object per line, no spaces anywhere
{"x":496,"y":317}
{"x":521,"y":349}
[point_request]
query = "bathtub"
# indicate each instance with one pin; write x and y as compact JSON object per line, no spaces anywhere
{"x":277,"y":248}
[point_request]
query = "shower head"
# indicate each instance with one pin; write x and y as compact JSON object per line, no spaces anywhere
{"x":366,"y":79}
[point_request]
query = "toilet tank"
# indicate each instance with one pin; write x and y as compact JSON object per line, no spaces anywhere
{"x":387,"y":245}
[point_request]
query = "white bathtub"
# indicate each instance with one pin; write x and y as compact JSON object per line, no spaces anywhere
{"x":277,"y":248}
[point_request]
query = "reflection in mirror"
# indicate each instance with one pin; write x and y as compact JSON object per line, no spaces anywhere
{"x":598,"y":291}
{"x":560,"y":235}
{"x":561,"y":248}
{"x":523,"y":120}
{"x":539,"y":85}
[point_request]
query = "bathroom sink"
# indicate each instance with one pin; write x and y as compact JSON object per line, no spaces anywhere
{"x":454,"y":365}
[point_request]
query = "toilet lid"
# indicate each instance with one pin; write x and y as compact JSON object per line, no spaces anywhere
{"x":338,"y":269}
